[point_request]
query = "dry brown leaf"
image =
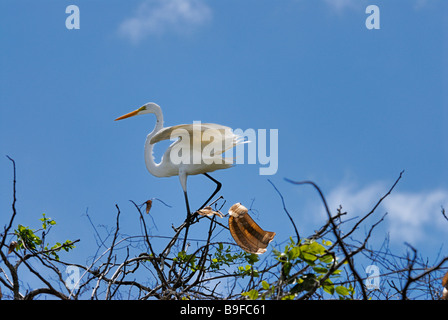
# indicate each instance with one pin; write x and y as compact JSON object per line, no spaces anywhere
{"x":208,"y":211}
{"x":445,"y":280}
{"x":246,"y":232}
{"x":12,"y":246}
{"x":148,"y":206}
{"x":445,"y":287}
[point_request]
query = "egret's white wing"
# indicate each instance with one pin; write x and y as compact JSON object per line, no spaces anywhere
{"x":179,"y":130}
{"x":214,"y":140}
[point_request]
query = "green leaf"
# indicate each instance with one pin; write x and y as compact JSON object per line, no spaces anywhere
{"x":309,"y":258}
{"x":311,"y":251}
{"x":265,"y":285}
{"x":329,"y":288}
{"x":317,"y":248}
{"x":294,"y":253}
{"x":320,"y":270}
{"x":336,"y":272}
{"x":252,"y":258}
{"x":252,"y":294}
{"x":326,"y":258}
{"x":286,"y":268}
{"x":343,"y":291}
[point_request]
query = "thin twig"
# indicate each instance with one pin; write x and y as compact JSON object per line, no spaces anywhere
{"x":286,"y":211}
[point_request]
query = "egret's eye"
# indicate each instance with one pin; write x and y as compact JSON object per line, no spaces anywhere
{"x":142,"y":108}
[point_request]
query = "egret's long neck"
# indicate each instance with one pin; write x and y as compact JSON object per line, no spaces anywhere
{"x":153,"y":168}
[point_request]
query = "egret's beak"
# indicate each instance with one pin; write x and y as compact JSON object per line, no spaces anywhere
{"x":127,"y":115}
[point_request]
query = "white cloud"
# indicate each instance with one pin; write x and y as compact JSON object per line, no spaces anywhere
{"x":412,"y":216}
{"x":355,"y":200}
{"x":341,"y":5}
{"x":157,"y":17}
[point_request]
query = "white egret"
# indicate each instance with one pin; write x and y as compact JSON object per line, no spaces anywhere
{"x":221,"y":137}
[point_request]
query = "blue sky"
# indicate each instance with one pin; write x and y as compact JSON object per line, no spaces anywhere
{"x":354,"y":107}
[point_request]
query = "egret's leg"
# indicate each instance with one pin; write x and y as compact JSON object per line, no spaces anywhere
{"x":188,"y":220}
{"x":218,"y":187}
{"x":189,"y":215}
